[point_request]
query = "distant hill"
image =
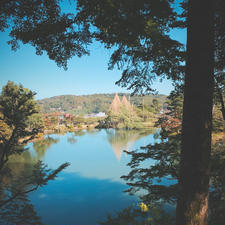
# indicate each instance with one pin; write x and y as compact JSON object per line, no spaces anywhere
{"x":86,"y":104}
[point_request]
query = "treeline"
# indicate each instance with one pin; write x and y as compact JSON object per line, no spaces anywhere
{"x":123,"y":114}
{"x":86,"y":104}
{"x":61,"y":123}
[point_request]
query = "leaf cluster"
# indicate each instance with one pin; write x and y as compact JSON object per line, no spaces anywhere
{"x":41,"y":24}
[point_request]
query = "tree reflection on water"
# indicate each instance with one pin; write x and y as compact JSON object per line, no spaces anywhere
{"x":121,"y":140}
{"x":21,"y":175}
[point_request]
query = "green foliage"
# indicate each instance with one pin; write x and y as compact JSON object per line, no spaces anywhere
{"x":218,"y":121}
{"x":124,"y":115}
{"x":139,"y":215}
{"x":17,"y":110}
{"x":138,"y":32}
{"x":17,"y":104}
{"x":20,"y":122}
{"x":35,"y":121}
{"x":175,"y":104}
{"x":217,"y":192}
{"x":124,"y":119}
{"x":43,"y":25}
{"x":156,"y":106}
{"x":164,"y":170}
{"x":159,"y":181}
{"x":120,"y":120}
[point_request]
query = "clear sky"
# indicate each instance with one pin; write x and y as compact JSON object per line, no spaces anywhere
{"x":85,"y":75}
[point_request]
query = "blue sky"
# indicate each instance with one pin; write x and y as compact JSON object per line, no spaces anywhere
{"x":85,"y":75}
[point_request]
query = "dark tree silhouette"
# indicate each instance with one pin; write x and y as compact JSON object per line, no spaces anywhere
{"x":41,"y":24}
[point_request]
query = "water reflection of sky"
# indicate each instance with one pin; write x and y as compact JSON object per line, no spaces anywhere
{"x":92,"y":155}
{"x":72,"y":199}
{"x":91,"y":186}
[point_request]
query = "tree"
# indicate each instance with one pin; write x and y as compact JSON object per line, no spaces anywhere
{"x":17,"y":107}
{"x":192,"y":205}
{"x":158,"y":182}
{"x":18,"y":110}
{"x":138,"y":29}
{"x":139,"y":33}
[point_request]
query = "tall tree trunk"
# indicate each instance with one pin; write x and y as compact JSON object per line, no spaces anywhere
{"x":192,"y":206}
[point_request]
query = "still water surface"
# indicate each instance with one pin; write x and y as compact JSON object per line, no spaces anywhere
{"x":91,"y":186}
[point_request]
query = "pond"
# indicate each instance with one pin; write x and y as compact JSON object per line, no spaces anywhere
{"x":91,"y":186}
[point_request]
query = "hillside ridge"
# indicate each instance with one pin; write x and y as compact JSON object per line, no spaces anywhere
{"x":92,"y":103}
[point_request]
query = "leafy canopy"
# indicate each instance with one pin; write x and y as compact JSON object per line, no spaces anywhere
{"x":138,"y":31}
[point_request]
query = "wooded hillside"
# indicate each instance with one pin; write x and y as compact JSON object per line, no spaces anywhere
{"x":95,"y":103}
